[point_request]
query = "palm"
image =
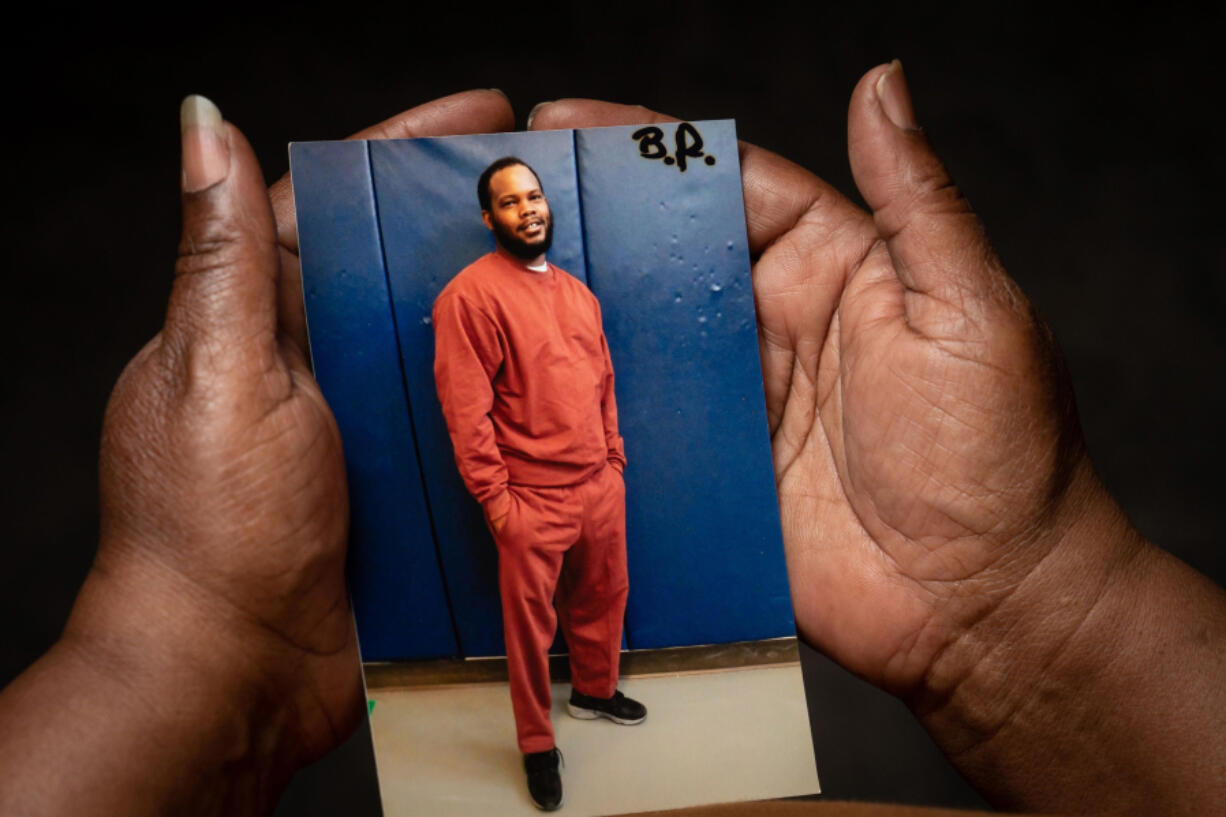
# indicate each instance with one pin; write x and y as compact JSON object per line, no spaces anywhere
{"x":906,"y":425}
{"x":887,"y":446}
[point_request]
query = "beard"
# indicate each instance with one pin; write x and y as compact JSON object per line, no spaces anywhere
{"x":516,"y":246}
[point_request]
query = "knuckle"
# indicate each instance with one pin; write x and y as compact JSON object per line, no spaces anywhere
{"x":141,"y":377}
{"x":218,"y":238}
{"x":207,"y":252}
{"x":138,"y":405}
{"x":933,"y":192}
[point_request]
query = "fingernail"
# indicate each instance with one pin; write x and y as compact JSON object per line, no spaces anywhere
{"x":894,"y":99}
{"x":537,"y":109}
{"x":501,"y":93}
{"x":206,"y":156}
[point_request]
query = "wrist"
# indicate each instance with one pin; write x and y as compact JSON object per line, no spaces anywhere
{"x":1014,"y":676}
{"x":194,"y":741}
{"x":210,"y":694}
{"x":119,"y":703}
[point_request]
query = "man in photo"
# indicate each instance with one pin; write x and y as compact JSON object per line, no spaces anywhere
{"x":526,"y":385}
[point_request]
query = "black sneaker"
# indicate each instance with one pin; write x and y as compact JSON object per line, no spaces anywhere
{"x":618,"y":709}
{"x":544,"y":782}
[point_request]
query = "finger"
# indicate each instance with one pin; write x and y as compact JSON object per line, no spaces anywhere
{"x":935,"y":241}
{"x":778,"y":193}
{"x":591,"y":113}
{"x":482,"y":111}
{"x":804,"y":235}
{"x":224,"y":294}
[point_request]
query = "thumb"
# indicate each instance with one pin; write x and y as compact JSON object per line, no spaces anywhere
{"x":935,"y":241}
{"x":224,"y":295}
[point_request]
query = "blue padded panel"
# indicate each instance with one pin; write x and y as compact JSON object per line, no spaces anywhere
{"x":394,"y":575}
{"x":667,"y":257}
{"x":426,"y":191}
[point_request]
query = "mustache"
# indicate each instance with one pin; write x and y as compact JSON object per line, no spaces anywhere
{"x":509,"y":239}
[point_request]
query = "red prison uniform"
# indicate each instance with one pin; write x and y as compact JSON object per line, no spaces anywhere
{"x":526,"y":385}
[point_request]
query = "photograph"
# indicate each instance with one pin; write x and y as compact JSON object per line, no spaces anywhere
{"x":566,"y":596}
{"x":640,"y":410}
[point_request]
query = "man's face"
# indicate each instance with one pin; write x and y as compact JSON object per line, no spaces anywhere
{"x":519,"y":213}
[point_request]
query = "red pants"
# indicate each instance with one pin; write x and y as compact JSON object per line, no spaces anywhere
{"x":568,"y":544}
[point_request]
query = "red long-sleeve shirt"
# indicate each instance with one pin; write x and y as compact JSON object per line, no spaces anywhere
{"x":525,"y":379}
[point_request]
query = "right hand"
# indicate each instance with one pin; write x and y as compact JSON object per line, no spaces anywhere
{"x":946,"y":536}
{"x":924,"y":436}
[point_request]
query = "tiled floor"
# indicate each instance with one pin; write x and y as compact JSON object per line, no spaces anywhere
{"x":709,"y":737}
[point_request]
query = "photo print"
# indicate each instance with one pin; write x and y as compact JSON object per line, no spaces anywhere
{"x":541,"y":352}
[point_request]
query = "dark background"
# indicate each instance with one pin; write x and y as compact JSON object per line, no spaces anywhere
{"x":1088,"y":142}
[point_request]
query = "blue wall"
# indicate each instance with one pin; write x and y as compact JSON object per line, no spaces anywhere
{"x":430,"y":218}
{"x":394,"y":577}
{"x":664,"y":251}
{"x":669,"y":262}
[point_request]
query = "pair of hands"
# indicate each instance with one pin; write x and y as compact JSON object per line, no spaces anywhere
{"x":926,"y":447}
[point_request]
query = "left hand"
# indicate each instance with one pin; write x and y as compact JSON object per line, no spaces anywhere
{"x":219,"y":584}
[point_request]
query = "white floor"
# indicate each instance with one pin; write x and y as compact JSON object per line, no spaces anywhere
{"x":709,"y":737}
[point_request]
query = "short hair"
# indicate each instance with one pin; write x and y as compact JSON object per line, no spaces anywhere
{"x":483,"y":184}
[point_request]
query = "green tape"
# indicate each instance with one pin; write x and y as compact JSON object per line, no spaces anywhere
{"x":370,"y":707}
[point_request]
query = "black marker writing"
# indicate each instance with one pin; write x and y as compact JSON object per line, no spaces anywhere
{"x":688,"y":145}
{"x":651,"y":145}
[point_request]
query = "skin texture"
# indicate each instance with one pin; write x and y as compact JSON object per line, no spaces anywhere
{"x":946,"y":535}
{"x":211,"y":651}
